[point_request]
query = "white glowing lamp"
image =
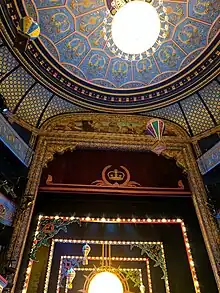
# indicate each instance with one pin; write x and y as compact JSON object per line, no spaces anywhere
{"x":135,"y":27}
{"x":105,"y":282}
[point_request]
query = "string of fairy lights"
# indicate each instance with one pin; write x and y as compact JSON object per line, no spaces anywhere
{"x":98,"y":258}
{"x":116,"y":221}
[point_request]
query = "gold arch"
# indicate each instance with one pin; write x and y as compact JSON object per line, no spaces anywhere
{"x":54,"y":139}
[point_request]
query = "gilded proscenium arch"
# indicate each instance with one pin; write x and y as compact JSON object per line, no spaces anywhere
{"x":51,"y":141}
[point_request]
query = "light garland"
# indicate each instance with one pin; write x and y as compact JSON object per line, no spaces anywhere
{"x":92,"y":269}
{"x":98,"y":258}
{"x":117,"y":258}
{"x":127,"y":259}
{"x":149,"y":277}
{"x":49,"y":266}
{"x":112,"y":242}
{"x":190,"y":259}
{"x":163,"y":35}
{"x":167,"y":286}
{"x":115,"y":221}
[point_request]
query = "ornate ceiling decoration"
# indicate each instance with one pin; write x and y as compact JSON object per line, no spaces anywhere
{"x":32,"y":102}
{"x":72,"y":59}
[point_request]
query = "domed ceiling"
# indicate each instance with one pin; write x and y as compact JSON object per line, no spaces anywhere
{"x":71,"y":55}
{"x":72,"y":32}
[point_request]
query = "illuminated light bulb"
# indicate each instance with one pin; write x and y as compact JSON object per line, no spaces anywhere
{"x":105,"y":282}
{"x":87,"y":218}
{"x":128,"y":24}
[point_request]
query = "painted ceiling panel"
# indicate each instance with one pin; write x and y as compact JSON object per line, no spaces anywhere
{"x":172,"y":113}
{"x":75,"y":29}
{"x":75,"y":58}
{"x":197,"y":115}
{"x":211,"y":96}
{"x":15,"y":86}
{"x":58,"y":106}
{"x":33,"y":104}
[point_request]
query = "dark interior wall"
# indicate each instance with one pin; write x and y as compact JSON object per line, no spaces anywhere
{"x":14,"y":173}
{"x":24,"y":133}
{"x":11,"y":167}
{"x":208,"y":142}
{"x":85,"y":166}
{"x":212,"y":182}
{"x":212,"y":178}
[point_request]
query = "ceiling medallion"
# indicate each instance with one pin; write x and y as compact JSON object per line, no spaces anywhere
{"x":134,"y":30}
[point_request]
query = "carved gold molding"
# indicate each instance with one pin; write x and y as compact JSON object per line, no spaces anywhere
{"x":105,"y":123}
{"x":52,"y":141}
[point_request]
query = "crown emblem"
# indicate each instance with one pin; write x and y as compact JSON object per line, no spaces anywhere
{"x":116,"y":175}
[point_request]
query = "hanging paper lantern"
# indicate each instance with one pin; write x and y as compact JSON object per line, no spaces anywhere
{"x":70,"y":277}
{"x":155,"y":127}
{"x":29,"y":27}
{"x":86,"y":250}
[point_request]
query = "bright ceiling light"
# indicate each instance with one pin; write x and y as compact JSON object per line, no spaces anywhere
{"x":135,"y":27}
{"x":105,"y":282}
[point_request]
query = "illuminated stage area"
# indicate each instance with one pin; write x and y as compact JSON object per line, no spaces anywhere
{"x":148,"y":243}
{"x":131,"y":266}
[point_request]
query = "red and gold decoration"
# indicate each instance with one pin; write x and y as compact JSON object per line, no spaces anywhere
{"x":115,"y":177}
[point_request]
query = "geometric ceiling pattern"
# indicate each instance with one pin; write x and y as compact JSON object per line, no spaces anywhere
{"x":34,"y":103}
{"x":71,"y":57}
{"x":72,"y":32}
